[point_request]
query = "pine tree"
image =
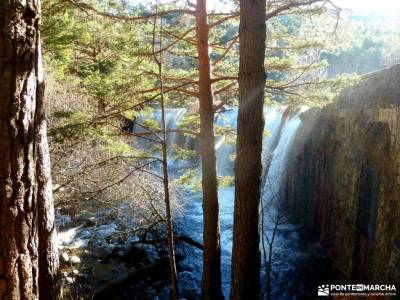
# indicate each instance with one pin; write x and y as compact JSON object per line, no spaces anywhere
{"x":211,"y":282}
{"x":245,"y":282}
{"x":28,"y":256}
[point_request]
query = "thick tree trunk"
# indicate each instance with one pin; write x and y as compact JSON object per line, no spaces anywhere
{"x":211,"y":282}
{"x":245,"y":253}
{"x":26,"y":254}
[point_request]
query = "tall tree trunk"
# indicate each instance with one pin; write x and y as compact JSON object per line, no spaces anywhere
{"x":211,"y":282}
{"x":245,"y":253}
{"x":170,"y":232}
{"x":28,"y":258}
{"x":164,"y":150}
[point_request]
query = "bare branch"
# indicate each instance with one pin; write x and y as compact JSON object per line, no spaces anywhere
{"x":289,"y":6}
{"x":233,"y":42}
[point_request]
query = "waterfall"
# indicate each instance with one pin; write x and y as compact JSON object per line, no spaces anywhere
{"x":275,"y":158}
{"x":279,"y":135}
{"x":173,"y":118}
{"x":225,"y":165}
{"x":224,"y":151}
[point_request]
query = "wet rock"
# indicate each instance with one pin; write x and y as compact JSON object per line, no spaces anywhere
{"x":136,"y":257}
{"x":69,"y":280}
{"x":91,"y":222}
{"x":139,"y":292}
{"x":75,"y":259}
{"x":102,"y":255}
{"x":165,"y":293}
{"x":64,"y":257}
{"x":105,"y":231}
{"x":343,"y":178}
{"x":63,"y":220}
{"x":85,"y":234}
{"x":190,"y":289}
{"x":151,"y":293}
{"x":100,"y":248}
{"x":104,"y":273}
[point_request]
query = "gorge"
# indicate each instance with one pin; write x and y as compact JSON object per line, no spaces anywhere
{"x":331,"y":174}
{"x":334,"y":170}
{"x":194,"y":149}
{"x":342,"y":179}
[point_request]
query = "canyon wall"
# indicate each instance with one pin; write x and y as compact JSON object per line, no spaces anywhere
{"x":343,"y":180}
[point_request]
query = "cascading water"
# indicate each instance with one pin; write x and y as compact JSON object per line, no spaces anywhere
{"x":287,"y":249}
{"x":225,"y":150}
{"x":276,"y":158}
{"x":172,"y":118}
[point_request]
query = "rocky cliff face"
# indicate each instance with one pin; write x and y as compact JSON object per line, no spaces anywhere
{"x":343,"y":180}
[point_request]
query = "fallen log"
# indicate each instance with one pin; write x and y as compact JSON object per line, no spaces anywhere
{"x":115,"y":288}
{"x":183,"y":238}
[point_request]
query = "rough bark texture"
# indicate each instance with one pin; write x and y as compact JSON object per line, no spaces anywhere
{"x":49,"y":277}
{"x":343,"y":179}
{"x":25,"y":186}
{"x":211,"y":281}
{"x":245,"y":253}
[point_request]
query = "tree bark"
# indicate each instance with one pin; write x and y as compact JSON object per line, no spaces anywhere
{"x":170,"y":232}
{"x":164,"y":150}
{"x":49,"y":277}
{"x":28,"y":258}
{"x":211,"y":281}
{"x":245,"y":253}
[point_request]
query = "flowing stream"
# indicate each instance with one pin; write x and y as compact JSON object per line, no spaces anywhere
{"x":289,"y":254}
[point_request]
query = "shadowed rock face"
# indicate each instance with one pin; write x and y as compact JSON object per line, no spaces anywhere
{"x":343,"y":179}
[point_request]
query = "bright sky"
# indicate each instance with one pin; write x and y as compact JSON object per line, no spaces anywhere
{"x":362,"y":6}
{"x":365,"y":6}
{"x":389,"y":6}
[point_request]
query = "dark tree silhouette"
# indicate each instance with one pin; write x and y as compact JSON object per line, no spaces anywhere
{"x":164,"y":161}
{"x":245,"y":253}
{"x":211,"y":282}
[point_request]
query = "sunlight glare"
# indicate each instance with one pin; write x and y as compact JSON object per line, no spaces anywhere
{"x":369,"y":6}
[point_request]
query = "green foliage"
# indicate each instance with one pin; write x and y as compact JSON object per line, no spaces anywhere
{"x":184,"y":154}
{"x":110,"y":62}
{"x":191,"y":178}
{"x":191,"y":122}
{"x":375,"y":45}
{"x":99,"y":58}
{"x":150,"y":124}
{"x":226,"y":181}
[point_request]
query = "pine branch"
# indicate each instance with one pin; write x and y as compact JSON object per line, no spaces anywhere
{"x":87,"y":7}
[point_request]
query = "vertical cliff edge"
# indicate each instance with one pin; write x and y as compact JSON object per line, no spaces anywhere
{"x":343,"y":179}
